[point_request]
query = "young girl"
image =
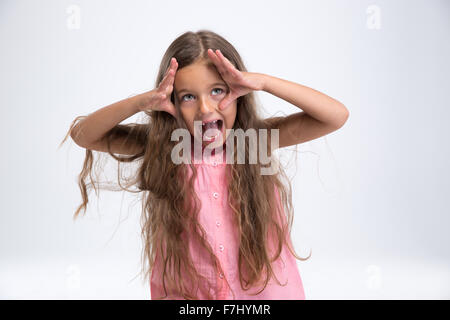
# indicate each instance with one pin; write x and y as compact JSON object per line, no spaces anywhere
{"x":211,"y":229}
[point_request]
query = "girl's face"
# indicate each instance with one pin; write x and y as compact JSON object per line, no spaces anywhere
{"x":198,"y":89}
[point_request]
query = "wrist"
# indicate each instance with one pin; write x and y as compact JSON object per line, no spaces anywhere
{"x":139,"y":101}
{"x":263,"y":81}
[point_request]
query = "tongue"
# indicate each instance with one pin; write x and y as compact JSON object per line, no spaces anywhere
{"x":212,"y":127}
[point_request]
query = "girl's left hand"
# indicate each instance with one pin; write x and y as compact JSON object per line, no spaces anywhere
{"x":239,"y":82}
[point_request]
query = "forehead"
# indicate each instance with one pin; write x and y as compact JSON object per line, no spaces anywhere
{"x":197,"y":75}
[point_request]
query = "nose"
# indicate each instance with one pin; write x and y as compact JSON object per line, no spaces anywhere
{"x":205,"y":106}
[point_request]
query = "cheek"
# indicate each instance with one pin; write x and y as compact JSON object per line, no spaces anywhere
{"x":188,"y":119}
{"x":190,"y":126}
{"x":230,"y":117}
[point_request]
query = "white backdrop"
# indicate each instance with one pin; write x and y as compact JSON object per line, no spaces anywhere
{"x":370,"y":198}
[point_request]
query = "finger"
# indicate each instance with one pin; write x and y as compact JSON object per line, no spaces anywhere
{"x":166,"y":75}
{"x":168,"y":111}
{"x":171,"y":74}
{"x":225,"y":67}
{"x":215,"y":59}
{"x":172,"y":66}
{"x":164,"y":82}
{"x":225,"y":103}
{"x":224,"y":60}
{"x":168,"y":68}
{"x":172,"y":111}
{"x":212,"y":55}
{"x":168,"y":79}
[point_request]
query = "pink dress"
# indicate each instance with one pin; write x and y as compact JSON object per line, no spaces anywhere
{"x":216,"y":218}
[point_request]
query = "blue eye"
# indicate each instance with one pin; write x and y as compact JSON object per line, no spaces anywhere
{"x":218,"y":89}
{"x":182,"y":98}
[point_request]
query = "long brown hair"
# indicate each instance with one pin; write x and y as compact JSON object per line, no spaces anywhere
{"x":170,"y":205}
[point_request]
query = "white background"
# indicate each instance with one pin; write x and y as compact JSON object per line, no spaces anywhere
{"x":371,"y":199}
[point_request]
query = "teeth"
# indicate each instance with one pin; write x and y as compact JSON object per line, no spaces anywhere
{"x":211,"y":122}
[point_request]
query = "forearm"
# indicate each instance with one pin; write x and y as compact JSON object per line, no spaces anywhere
{"x":97,"y":124}
{"x":316,"y":104}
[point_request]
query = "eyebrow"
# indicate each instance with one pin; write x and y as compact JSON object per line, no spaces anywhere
{"x":212,"y":85}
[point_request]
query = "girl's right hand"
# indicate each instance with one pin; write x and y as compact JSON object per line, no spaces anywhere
{"x":159,"y":98}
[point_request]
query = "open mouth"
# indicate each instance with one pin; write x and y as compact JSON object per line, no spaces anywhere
{"x":212,"y":129}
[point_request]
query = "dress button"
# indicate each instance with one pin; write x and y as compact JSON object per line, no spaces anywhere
{"x":214,"y":163}
{"x":215,"y":195}
{"x":221,"y":247}
{"x":221,"y":275}
{"x":218,"y":223}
